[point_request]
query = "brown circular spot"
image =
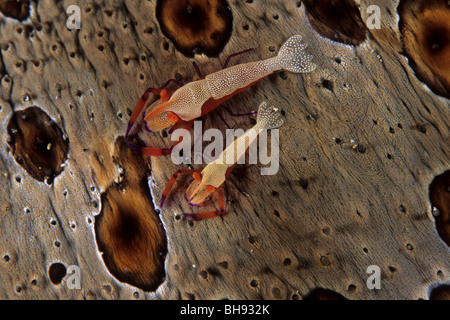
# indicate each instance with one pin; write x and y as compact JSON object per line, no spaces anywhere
{"x":425,"y":29}
{"x":132,"y":243}
{"x":325,"y":261}
{"x":128,"y":230}
{"x":303,"y":183}
{"x":56,"y":272}
{"x":203,"y":274}
{"x":439,"y":193}
{"x":287,"y":262}
{"x":19,"y":10}
{"x":326,"y":230}
{"x":351,"y":288}
{"x":189,"y":296}
{"x":37,"y":143}
{"x":336,"y":20}
{"x":190,"y":24}
{"x":276,"y":292}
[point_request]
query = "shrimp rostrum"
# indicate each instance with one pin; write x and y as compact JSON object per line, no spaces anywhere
{"x":199,"y":97}
{"x":210,"y":180}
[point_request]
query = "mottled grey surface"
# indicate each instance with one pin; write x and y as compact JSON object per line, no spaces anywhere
{"x":353,"y":138}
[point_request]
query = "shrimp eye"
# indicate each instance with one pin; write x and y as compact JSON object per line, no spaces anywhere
{"x":197,"y":176}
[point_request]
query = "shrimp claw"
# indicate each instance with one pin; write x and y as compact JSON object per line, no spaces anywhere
{"x":209,"y":214}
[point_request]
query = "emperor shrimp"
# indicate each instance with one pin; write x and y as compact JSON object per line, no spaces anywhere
{"x":181,"y":107}
{"x":209,"y":180}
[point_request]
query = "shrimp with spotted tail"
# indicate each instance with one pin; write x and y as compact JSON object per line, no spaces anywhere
{"x":181,"y":107}
{"x":209,"y":180}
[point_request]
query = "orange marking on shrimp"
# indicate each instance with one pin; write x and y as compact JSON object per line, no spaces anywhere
{"x":202,"y":96}
{"x":215,"y":173}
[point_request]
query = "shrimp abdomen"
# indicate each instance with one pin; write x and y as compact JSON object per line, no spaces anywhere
{"x":228,"y":81}
{"x":212,"y":103}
